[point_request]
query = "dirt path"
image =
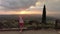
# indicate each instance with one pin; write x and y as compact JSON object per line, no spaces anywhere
{"x":30,"y":32}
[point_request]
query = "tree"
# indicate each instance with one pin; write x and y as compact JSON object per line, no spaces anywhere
{"x":44,"y":15}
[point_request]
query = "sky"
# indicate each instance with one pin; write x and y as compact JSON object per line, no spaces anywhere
{"x":30,"y":7}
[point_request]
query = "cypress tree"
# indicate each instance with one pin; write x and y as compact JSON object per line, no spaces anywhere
{"x":44,"y":15}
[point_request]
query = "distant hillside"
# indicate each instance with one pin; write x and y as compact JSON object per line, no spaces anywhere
{"x":26,"y":17}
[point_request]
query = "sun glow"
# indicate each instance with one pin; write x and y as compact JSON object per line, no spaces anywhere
{"x":23,"y":12}
{"x":30,"y":12}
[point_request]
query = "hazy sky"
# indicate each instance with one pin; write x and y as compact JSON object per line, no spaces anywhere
{"x":16,"y":4}
{"x":7,"y":6}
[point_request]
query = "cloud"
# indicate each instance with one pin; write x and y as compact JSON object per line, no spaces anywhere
{"x":38,"y":6}
{"x":53,"y":5}
{"x":16,"y":4}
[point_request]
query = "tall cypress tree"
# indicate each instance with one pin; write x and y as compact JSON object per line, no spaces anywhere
{"x":44,"y":15}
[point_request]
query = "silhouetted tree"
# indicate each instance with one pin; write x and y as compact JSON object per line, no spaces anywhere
{"x":1,"y":24}
{"x":44,"y":15}
{"x":56,"y":21}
